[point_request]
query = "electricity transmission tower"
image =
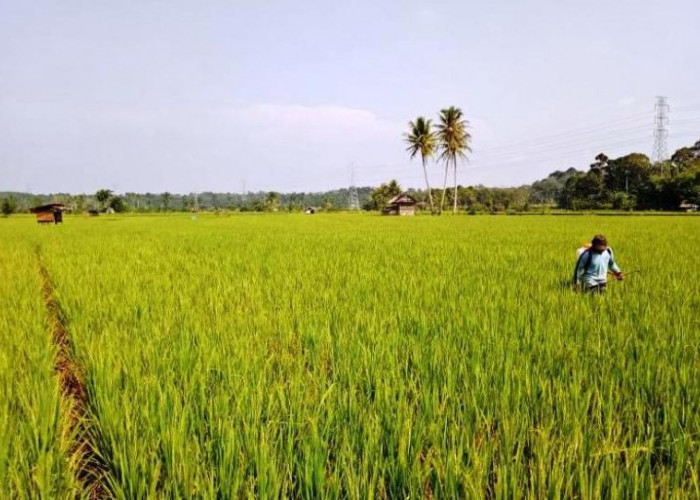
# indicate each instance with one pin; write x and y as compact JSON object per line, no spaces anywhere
{"x":661,"y":110}
{"x":354,"y":202}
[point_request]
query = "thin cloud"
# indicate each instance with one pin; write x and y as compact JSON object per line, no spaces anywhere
{"x":627,"y":101}
{"x":312,"y":124}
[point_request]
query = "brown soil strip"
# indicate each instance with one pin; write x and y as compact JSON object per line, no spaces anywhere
{"x":88,"y":465}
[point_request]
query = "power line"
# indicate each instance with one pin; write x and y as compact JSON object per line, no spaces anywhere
{"x":688,"y":107}
{"x":597,"y":138}
{"x":638,"y":117}
{"x":606,"y":136}
{"x":572,"y":146}
{"x":579,"y":147}
{"x":572,"y":141}
{"x":400,"y":171}
{"x":567,"y":150}
{"x":562,"y":137}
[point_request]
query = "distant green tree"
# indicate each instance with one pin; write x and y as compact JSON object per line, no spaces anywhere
{"x":165,"y":200}
{"x":601,"y":163}
{"x":453,"y":144}
{"x":295,"y":202}
{"x":628,"y":173}
{"x":102,"y":196}
{"x":8,"y":206}
{"x":380,"y":196}
{"x":79,"y":203}
{"x":117,"y":204}
{"x":421,"y":139}
{"x":686,"y":157}
{"x":672,"y":190}
{"x":548,"y":189}
{"x":621,"y":200}
{"x":633,"y":182}
{"x":272,"y":201}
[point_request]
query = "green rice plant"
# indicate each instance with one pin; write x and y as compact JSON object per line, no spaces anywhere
{"x":32,"y":463}
{"x":362,"y":356}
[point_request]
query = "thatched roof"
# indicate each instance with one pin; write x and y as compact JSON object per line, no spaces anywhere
{"x":402,"y":199}
{"x":48,"y":208}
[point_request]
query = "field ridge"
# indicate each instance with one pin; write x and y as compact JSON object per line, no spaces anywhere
{"x":88,"y":464}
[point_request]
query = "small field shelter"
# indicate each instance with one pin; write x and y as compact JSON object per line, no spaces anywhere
{"x":403,"y":204}
{"x":47,"y":214}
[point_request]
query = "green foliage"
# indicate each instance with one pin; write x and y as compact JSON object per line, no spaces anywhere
{"x":272,"y":201}
{"x":165,"y":200}
{"x":632,"y":182}
{"x":421,"y":139}
{"x":8,"y":206}
{"x":649,"y":187}
{"x":380,"y":196}
{"x":32,"y":464}
{"x":548,"y":190}
{"x":623,"y":201}
{"x":117,"y":204}
{"x":103,"y":196}
{"x":686,"y":157}
{"x":453,"y":144}
{"x":334,"y":356}
{"x":477,"y":199}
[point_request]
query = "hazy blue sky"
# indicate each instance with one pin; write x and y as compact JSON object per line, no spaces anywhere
{"x":201,"y":95}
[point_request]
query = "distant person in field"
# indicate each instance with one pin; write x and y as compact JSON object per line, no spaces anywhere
{"x":593,"y":264}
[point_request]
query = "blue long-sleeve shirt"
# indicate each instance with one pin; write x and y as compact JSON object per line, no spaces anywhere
{"x":596,"y":272}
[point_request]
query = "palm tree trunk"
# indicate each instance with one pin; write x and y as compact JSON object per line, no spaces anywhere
{"x":444,"y":187}
{"x":427,"y":185}
{"x":454,"y":162}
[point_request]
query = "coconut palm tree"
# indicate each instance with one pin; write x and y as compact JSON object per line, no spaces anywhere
{"x":421,"y":139}
{"x":453,"y":143}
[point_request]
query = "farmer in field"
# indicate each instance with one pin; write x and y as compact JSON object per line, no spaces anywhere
{"x":593,"y":265}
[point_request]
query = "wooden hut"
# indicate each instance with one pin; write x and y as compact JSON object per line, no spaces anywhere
{"x":51,"y":213}
{"x":403,"y":204}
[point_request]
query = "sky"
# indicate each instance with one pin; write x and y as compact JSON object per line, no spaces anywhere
{"x":188,"y":96}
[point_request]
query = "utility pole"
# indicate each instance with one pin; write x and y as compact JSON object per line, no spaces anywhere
{"x":661,"y":110}
{"x":354,"y":202}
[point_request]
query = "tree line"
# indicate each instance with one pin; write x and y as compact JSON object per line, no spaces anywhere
{"x":105,"y":200}
{"x":633,"y":182}
{"x":630,"y":182}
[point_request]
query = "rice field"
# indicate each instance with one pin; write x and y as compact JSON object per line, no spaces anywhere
{"x":355,"y":356}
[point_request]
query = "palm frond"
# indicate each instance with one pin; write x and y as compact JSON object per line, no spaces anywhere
{"x":420,"y":138}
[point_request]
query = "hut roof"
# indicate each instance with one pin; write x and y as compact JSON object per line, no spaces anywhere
{"x":402,"y":199}
{"x":48,"y":208}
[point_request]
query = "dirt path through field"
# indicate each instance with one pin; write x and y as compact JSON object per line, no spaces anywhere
{"x":87,"y":463}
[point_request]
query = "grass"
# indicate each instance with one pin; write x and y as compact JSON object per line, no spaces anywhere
{"x":362,"y":356}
